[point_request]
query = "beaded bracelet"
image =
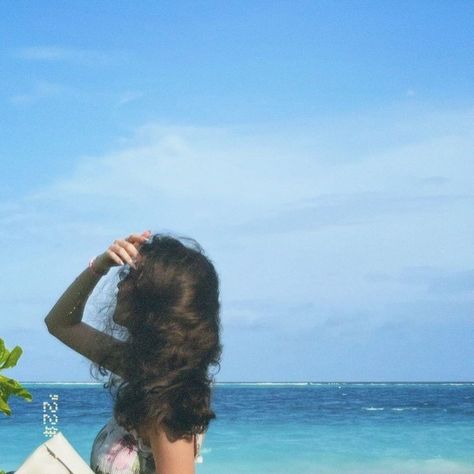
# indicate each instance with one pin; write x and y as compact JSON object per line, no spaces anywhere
{"x":92,"y":269}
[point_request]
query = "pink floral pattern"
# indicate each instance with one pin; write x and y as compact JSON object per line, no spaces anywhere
{"x":116,"y":451}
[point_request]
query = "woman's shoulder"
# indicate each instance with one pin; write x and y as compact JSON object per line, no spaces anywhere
{"x":144,"y":444}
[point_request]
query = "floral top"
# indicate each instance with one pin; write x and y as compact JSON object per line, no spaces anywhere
{"x":118,"y":451}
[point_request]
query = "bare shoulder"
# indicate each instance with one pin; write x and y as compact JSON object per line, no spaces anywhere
{"x":171,"y":454}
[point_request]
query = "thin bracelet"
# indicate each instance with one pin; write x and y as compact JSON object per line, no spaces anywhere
{"x":92,"y":268}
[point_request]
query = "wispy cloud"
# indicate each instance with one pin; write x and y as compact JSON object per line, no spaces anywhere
{"x":43,"y":90}
{"x":129,"y":96}
{"x":349,"y":209}
{"x":239,"y":190}
{"x":434,"y":280}
{"x":73,"y":55}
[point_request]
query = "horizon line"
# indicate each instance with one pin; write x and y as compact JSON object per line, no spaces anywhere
{"x":276,"y":382}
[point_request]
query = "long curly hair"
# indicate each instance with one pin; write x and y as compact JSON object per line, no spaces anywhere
{"x":171,"y":340}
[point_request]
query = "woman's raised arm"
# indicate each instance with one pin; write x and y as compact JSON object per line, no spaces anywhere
{"x":64,"y":321}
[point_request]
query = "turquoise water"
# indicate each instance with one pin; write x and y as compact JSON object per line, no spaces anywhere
{"x":284,"y":428}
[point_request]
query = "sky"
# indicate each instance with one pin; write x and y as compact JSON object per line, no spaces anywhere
{"x":320,"y":152}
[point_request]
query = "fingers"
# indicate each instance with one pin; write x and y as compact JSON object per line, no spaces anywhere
{"x":125,"y":251}
{"x":114,"y":257}
{"x":138,"y":239}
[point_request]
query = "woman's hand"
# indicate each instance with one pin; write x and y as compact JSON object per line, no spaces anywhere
{"x":122,"y":251}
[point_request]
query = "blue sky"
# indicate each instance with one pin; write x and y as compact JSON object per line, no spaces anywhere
{"x":321,"y":153}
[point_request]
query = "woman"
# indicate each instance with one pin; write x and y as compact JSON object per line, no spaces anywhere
{"x":168,"y":302}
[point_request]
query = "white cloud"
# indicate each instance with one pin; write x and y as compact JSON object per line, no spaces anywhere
{"x":385,"y":205}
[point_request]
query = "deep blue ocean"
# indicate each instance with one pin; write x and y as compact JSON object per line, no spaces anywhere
{"x":282,"y":428}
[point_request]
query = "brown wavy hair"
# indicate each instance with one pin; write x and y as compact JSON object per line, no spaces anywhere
{"x":171,"y":340}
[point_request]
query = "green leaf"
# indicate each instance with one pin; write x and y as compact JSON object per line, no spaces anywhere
{"x":3,"y":351}
{"x":23,"y":393}
{"x":12,"y":358}
{"x":4,"y":381}
{"x":5,"y":408}
{"x":12,"y":387}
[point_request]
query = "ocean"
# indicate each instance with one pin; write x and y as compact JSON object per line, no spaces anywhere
{"x":264,"y":428}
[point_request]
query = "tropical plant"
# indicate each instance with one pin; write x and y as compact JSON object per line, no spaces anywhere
{"x":9,"y":386}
